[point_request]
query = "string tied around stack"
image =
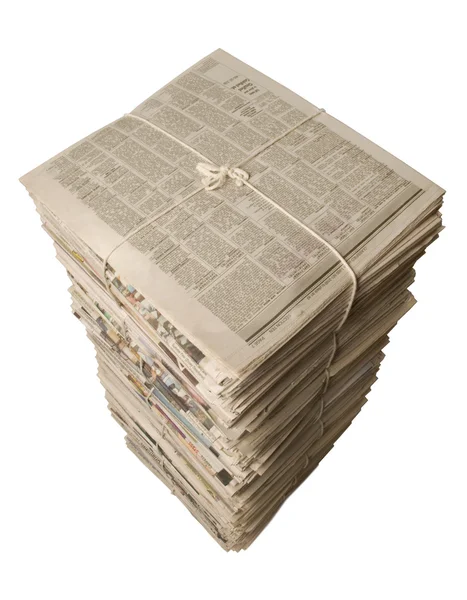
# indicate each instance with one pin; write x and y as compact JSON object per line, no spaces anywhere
{"x":214,"y":177}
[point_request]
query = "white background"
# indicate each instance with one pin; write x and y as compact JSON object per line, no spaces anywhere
{"x":385,"y":514}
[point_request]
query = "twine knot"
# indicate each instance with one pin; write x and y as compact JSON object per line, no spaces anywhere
{"x":215,"y":177}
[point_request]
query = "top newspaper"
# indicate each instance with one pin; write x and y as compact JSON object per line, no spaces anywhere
{"x":224,"y":278}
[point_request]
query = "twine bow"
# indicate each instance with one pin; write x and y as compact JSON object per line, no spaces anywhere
{"x":215,"y":177}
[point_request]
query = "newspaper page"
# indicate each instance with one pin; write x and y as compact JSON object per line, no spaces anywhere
{"x":233,"y":274}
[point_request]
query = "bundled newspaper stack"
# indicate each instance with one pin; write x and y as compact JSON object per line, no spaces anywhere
{"x":237,"y":257}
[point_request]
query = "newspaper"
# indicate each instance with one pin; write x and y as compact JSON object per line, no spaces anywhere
{"x":217,"y":314}
{"x":233,"y":274}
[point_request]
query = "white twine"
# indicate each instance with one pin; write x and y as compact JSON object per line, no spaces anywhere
{"x":214,"y":177}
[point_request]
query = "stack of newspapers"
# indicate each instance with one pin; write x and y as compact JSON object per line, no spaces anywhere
{"x":238,"y":258}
